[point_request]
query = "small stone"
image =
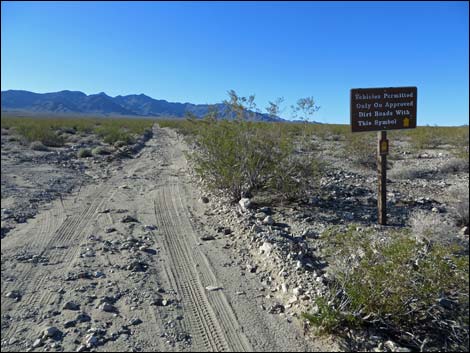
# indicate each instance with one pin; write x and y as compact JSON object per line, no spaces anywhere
{"x":83,"y":317}
{"x":464,"y":231}
{"x":128,"y":219}
{"x":292,"y":300}
{"x":135,"y":322}
{"x":71,"y":306}
{"x":109,"y":229}
{"x":268,"y":220}
{"x":266,"y":248}
{"x":150,"y":227}
{"x":390,"y":345}
{"x":91,"y":340}
{"x":70,"y":323}
{"x":251,"y":268}
{"x":276,"y":309}
{"x":245,"y":204}
{"x":298,"y":291}
{"x":13,"y":295}
{"x":204,"y":199}
{"x":51,"y":332}
{"x":207,"y":238}
{"x":98,"y":274}
{"x":260,"y":215}
{"x":81,"y":348}
{"x":37,"y":343}
{"x":265,"y":210}
{"x":107,"y":308}
{"x":213,"y":288}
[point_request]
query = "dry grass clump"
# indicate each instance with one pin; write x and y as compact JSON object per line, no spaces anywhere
{"x":428,"y":226}
{"x":460,"y":204}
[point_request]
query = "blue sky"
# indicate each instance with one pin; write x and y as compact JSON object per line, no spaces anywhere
{"x":195,"y":52}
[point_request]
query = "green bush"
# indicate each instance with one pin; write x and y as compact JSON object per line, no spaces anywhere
{"x":84,"y":152}
{"x":399,"y":284}
{"x":361,"y":149}
{"x":38,"y":146}
{"x":241,"y":157}
{"x":100,"y":150}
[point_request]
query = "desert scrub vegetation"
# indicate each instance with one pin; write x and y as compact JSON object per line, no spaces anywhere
{"x":361,"y":149}
{"x":460,"y":204}
{"x":430,"y":137}
{"x":54,"y":132}
{"x":242,"y":157}
{"x":413,"y":292}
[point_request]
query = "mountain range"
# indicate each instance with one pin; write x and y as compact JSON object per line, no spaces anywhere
{"x":138,"y":105}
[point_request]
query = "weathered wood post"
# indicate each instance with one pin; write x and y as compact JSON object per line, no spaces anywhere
{"x":382,"y":150}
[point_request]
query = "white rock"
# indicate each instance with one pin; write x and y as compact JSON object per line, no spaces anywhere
{"x":37,"y":343}
{"x":245,"y":204}
{"x":266,"y":248}
{"x":268,"y":220}
{"x":91,"y":340}
{"x":297,"y":291}
{"x":292,"y":300}
{"x":213,"y":288}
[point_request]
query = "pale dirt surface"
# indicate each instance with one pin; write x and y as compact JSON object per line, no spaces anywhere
{"x":154,"y":268}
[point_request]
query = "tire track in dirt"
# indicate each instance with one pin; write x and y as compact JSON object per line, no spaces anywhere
{"x":212,"y":322}
{"x":62,"y":247}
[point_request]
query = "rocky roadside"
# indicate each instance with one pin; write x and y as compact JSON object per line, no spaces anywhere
{"x":282,"y":245}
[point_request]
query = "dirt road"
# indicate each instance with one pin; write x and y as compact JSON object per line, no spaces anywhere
{"x":120,"y":265}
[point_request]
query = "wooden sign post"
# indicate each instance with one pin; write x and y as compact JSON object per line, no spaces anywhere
{"x":382,"y":109}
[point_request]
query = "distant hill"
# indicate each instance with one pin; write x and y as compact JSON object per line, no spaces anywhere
{"x":75,"y":102}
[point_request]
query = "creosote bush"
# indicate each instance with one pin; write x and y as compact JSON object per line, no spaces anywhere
{"x":362,"y":149}
{"x":242,"y":157}
{"x":54,"y":132}
{"x":84,"y":153}
{"x":396,"y":284}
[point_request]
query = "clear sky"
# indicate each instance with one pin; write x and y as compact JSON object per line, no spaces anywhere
{"x":195,"y":52}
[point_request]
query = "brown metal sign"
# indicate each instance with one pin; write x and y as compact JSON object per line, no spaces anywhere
{"x":382,"y":109}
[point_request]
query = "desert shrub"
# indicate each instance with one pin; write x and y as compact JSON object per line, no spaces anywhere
{"x":396,"y":285}
{"x":427,"y":226}
{"x":38,"y":146}
{"x":44,"y":134}
{"x":460,"y":204}
{"x":100,"y":150}
{"x":186,"y":127}
{"x":120,"y":143}
{"x":455,"y":165}
{"x":431,"y":136}
{"x":410,"y":173}
{"x":361,"y":148}
{"x":241,"y":157}
{"x":84,"y":152}
{"x":112,"y":133}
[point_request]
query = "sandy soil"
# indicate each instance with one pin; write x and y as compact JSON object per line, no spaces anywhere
{"x":121,"y":264}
